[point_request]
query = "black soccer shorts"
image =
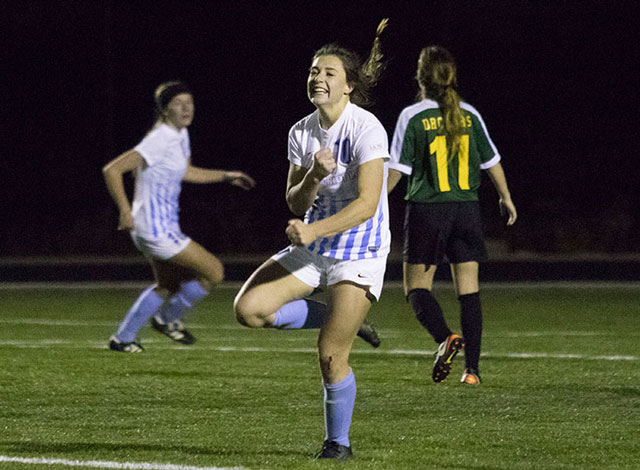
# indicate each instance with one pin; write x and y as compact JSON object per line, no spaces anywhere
{"x":443,"y":232}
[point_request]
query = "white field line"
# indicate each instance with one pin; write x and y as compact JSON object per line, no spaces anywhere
{"x":388,"y":332}
{"x":125,"y":285}
{"x":107,"y":464}
{"x":162,"y":345}
{"x":387,"y":285}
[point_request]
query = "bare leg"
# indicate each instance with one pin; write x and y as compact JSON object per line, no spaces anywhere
{"x":465,"y":277}
{"x":417,"y":276}
{"x":183,"y":280}
{"x":269,"y":288}
{"x":209,"y":269}
{"x":348,"y":307}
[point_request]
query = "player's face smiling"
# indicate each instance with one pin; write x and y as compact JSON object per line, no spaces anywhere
{"x":179,"y":111}
{"x":327,"y":83}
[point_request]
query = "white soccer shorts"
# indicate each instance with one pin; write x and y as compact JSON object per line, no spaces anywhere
{"x":315,"y":270}
{"x":164,"y":247}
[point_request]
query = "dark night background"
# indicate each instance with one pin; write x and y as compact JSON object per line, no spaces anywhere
{"x":556,"y":83}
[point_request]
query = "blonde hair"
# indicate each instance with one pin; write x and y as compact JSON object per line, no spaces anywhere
{"x":363,"y":77}
{"x":437,"y":79}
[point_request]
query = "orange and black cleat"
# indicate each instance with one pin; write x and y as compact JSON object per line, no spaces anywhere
{"x":470,"y":377}
{"x":445,"y":354}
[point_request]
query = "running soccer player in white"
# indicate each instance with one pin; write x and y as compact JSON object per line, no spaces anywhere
{"x":337,"y":179}
{"x":183,"y":269}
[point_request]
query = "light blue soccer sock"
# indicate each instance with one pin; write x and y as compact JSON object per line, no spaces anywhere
{"x":339,"y":400}
{"x":304,"y":314}
{"x":190,"y":293}
{"x":147,"y":304}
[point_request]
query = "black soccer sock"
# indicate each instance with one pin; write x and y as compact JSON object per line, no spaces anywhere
{"x":429,"y":313}
{"x":471,"y":322}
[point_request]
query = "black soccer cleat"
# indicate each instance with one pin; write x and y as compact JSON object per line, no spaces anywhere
{"x":131,"y":347}
{"x":368,"y":333}
{"x":333,"y":450}
{"x":174,"y":330}
{"x":444,"y":356}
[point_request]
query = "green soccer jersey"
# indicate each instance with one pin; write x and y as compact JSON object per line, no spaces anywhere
{"x":419,"y":150}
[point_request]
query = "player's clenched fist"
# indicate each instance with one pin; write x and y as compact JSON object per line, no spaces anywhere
{"x":323,"y":163}
{"x":299,"y":233}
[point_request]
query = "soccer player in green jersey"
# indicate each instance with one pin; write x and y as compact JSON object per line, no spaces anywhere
{"x":441,"y":144}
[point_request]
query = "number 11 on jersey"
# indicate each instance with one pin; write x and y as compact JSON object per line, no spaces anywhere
{"x":439,"y":148}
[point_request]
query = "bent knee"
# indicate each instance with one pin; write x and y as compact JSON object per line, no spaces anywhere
{"x":216,"y":276}
{"x":249,"y":314}
{"x":251,"y":320}
{"x":211,"y":280}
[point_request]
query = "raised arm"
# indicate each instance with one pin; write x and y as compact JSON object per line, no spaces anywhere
{"x":499,"y":180}
{"x":370,"y":181}
{"x":303,"y":183}
{"x":196,"y":174}
{"x":112,"y":173}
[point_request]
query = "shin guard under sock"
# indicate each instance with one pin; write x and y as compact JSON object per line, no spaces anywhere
{"x":339,"y":400}
{"x":471,"y":323}
{"x":147,"y":304}
{"x":305,"y":314}
{"x":429,"y":313}
{"x":173,"y":309}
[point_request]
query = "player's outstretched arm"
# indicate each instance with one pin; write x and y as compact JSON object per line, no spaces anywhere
{"x":199,"y":175}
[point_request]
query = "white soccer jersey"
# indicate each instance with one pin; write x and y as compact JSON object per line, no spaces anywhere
{"x":356,"y":138}
{"x":166,"y":152}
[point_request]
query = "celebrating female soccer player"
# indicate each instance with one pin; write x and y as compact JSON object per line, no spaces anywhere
{"x":184,"y":270}
{"x":442,"y":144}
{"x":337,"y":179}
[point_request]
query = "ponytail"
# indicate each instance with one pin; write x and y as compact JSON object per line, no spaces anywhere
{"x":453,"y":119}
{"x":372,"y":69}
{"x":438,"y":80}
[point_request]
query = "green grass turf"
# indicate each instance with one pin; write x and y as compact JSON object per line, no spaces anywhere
{"x":220,"y":403}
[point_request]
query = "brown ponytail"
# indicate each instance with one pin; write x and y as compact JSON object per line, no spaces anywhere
{"x":437,"y":78}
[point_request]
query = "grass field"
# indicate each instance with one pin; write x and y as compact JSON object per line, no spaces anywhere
{"x":560,"y":365}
